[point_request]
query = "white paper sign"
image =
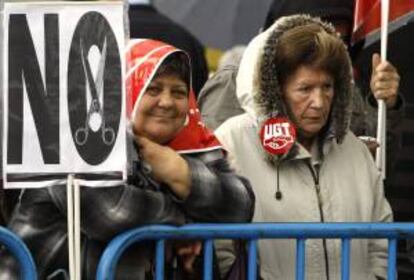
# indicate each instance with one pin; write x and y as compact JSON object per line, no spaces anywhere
{"x":63,"y":93}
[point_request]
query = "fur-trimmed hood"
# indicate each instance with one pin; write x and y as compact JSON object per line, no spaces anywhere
{"x":258,"y":88}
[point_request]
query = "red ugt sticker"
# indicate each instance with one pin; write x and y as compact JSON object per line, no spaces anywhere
{"x":277,"y":136}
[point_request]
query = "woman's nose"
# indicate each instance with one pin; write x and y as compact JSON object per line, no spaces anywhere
{"x":317,"y":98}
{"x":166,"y":99}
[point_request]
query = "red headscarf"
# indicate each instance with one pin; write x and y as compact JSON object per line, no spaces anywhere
{"x":143,"y":58}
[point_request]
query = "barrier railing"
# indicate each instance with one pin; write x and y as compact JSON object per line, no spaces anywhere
{"x":253,"y":232}
{"x":20,"y":252}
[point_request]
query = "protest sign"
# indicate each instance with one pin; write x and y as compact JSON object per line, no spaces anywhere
{"x":63,"y":101}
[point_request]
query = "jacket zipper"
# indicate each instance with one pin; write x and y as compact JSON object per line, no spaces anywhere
{"x":315,"y":176}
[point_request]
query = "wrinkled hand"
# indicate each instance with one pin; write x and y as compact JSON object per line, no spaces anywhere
{"x":188,"y":252}
{"x":385,"y":81}
{"x":167,"y":166}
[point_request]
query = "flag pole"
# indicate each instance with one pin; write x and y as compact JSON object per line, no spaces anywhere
{"x":76,"y":230}
{"x":69,"y":198}
{"x":380,"y":158}
{"x":73,"y":216}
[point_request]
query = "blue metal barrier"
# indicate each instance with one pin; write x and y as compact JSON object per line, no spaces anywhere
{"x":252,"y":232}
{"x":20,"y":252}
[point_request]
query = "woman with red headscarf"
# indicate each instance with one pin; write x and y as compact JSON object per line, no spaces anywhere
{"x":178,"y":174}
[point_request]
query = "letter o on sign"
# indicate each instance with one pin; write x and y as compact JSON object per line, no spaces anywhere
{"x":94,"y":93}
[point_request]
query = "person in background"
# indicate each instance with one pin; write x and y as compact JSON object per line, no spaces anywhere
{"x":384,"y":82}
{"x":178,"y":174}
{"x":294,"y":145}
{"x":146,"y":21}
{"x":218,"y":99}
{"x":231,"y":56}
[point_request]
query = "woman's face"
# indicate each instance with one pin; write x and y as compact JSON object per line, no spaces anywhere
{"x":163,"y":109}
{"x":309,"y":92}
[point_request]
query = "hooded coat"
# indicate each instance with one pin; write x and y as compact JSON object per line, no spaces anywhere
{"x":336,"y":181}
{"x":218,"y":102}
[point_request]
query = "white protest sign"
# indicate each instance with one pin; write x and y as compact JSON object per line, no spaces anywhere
{"x":63,"y":93}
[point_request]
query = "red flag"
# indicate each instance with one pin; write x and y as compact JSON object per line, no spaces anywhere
{"x":367,"y":19}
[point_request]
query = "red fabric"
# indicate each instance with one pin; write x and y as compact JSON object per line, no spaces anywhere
{"x":144,"y":56}
{"x":368,"y":15}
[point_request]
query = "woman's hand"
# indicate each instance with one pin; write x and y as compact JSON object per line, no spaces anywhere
{"x":167,"y":166}
{"x":188,"y":252}
{"x":385,"y":81}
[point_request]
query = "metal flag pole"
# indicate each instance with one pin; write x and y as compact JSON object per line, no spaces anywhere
{"x":69,"y":198}
{"x":76,"y":230}
{"x":380,"y":157}
{"x":74,"y":240}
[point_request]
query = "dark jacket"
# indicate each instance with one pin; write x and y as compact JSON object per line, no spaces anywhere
{"x":146,"y":22}
{"x":217,"y":195}
{"x":2,"y":207}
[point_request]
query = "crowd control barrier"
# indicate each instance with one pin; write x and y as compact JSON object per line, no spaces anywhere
{"x":251,"y":233}
{"x":20,"y":252}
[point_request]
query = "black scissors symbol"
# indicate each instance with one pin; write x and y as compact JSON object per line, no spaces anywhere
{"x":94,"y":118}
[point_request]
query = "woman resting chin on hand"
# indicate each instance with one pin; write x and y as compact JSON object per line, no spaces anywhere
{"x":182,"y":155}
{"x":178,"y":174}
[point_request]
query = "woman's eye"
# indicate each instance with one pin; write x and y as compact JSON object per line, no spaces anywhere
{"x":180,"y":93}
{"x":305,"y":89}
{"x":328,"y":86}
{"x":328,"y":89}
{"x":153,"y":90}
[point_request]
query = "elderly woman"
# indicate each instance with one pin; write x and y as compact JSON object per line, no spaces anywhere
{"x":178,"y":174}
{"x":295,"y":147}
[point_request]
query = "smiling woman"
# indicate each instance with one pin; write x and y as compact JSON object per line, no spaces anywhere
{"x":177,"y":173}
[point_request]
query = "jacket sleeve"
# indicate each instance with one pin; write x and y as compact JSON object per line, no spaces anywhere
{"x":394,"y":128}
{"x":2,"y":206}
{"x":217,"y":193}
{"x":40,"y":224}
{"x":364,"y":123}
{"x":106,"y":212}
{"x":378,"y":247}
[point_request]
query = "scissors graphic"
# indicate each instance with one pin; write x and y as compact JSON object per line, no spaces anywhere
{"x":94,"y":118}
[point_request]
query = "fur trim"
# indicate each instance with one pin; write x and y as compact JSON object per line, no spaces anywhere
{"x":266,"y":88}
